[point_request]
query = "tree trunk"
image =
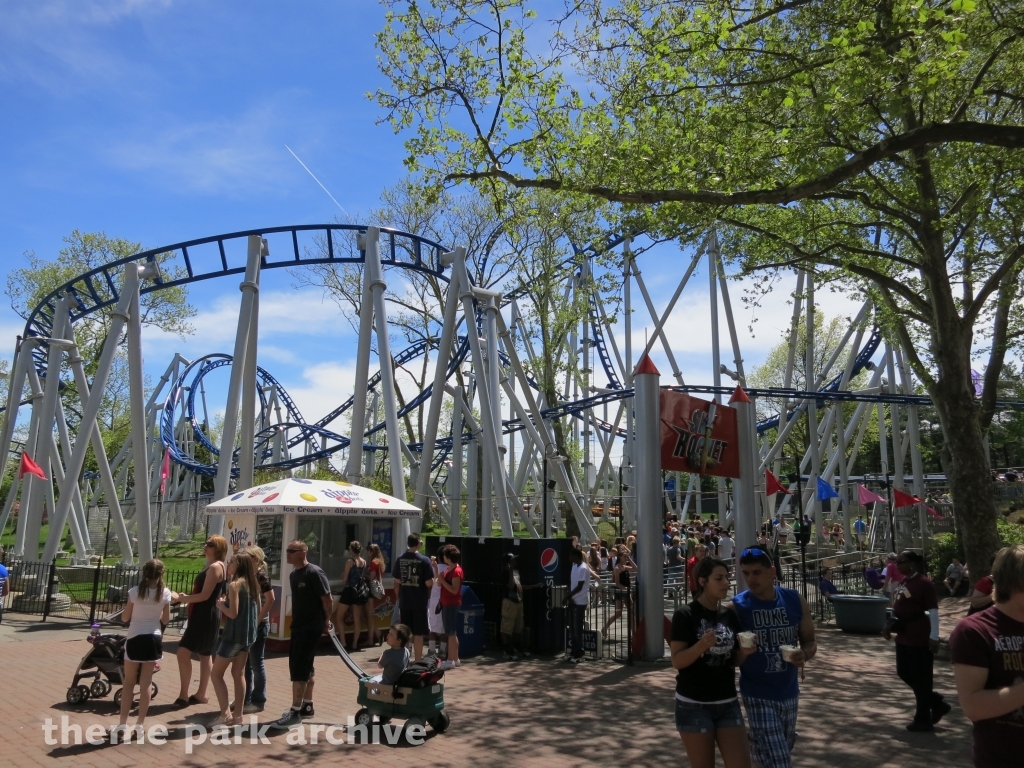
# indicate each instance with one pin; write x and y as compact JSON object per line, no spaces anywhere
{"x":968,"y":470}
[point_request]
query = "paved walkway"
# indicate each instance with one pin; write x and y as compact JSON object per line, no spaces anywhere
{"x":534,"y":713}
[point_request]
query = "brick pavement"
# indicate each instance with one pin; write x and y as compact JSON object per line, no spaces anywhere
{"x":535,"y":713}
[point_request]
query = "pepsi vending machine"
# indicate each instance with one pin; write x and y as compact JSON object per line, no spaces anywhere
{"x":545,"y":562}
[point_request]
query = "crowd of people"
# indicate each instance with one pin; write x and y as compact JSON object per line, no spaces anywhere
{"x":766,"y":632}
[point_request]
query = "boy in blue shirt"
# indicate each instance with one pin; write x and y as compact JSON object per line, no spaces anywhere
{"x":768,"y":679}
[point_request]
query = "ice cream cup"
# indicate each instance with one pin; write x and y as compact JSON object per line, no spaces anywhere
{"x":747,"y":639}
{"x":789,"y":651}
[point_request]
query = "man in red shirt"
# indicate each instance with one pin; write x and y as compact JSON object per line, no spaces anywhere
{"x":916,"y":615}
{"x":988,"y":663}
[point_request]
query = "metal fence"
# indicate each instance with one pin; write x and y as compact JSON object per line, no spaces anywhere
{"x":87,"y":593}
{"x":170,"y":521}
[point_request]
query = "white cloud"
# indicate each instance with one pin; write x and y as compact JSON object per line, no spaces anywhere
{"x":240,"y":154}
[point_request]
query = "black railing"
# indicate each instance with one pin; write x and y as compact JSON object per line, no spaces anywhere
{"x":90,"y":593}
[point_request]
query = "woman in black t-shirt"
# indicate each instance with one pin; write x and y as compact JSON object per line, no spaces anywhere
{"x":705,"y":650}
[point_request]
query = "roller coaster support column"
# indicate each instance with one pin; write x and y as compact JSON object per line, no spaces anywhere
{"x":444,"y":355}
{"x":248,"y":287}
{"x":354,"y":465}
{"x":646,"y":403}
{"x":744,"y":489}
{"x":14,"y":394}
{"x":73,"y":469}
{"x":542,"y":434}
{"x":491,"y":435}
{"x":140,"y":422}
{"x":455,"y":473}
{"x":77,"y":364}
{"x":247,"y":429}
{"x":387,"y":373}
{"x":22,"y":360}
{"x":38,"y":445}
{"x":36,"y":490}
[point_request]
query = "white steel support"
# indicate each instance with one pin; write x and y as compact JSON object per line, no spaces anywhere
{"x":247,"y":428}
{"x":91,"y":407}
{"x":561,"y":477}
{"x":437,"y":389}
{"x":137,"y":407}
{"x":109,"y":488}
{"x":36,"y":490}
{"x":354,"y":466}
{"x":249,"y":288}
{"x":15,"y":390}
{"x":387,"y":373}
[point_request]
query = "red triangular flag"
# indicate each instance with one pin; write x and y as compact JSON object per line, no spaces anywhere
{"x":901,"y":499}
{"x":29,"y":467}
{"x":772,"y":484}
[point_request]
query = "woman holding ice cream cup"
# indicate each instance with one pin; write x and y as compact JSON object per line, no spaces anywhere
{"x":706,"y":647}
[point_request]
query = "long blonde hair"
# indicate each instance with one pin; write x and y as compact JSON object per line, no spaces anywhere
{"x":375,"y":556}
{"x":245,"y":572}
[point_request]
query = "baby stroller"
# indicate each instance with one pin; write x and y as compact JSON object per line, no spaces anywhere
{"x":418,"y":698}
{"x":104,"y":664}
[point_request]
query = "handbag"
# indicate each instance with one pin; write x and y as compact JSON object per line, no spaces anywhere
{"x":376,"y":589}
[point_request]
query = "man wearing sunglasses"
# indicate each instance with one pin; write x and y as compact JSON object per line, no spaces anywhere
{"x":311,"y":605}
{"x":768,"y":680}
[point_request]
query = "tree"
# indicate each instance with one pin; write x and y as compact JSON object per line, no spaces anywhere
{"x":167,"y":309}
{"x":876,"y":143}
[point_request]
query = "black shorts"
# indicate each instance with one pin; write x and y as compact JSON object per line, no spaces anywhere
{"x":143,"y":648}
{"x":301,"y":652}
{"x":415,"y":619}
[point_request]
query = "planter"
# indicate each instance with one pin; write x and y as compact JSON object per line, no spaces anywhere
{"x":861,"y":614}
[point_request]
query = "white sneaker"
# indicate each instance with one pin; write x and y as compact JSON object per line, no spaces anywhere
{"x":457,"y":663}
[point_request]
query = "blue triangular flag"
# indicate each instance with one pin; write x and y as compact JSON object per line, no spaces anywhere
{"x":826,"y":491}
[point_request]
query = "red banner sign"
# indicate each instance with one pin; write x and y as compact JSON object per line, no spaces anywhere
{"x":689,"y":443}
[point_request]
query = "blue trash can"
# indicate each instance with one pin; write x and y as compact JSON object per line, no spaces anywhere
{"x":470,"y":627}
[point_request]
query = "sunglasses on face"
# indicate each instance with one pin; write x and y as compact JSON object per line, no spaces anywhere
{"x":292,"y":551}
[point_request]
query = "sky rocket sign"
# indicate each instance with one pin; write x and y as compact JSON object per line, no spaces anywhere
{"x":698,"y":436}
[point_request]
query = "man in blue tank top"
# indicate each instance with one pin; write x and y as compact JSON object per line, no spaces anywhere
{"x":768,"y":678}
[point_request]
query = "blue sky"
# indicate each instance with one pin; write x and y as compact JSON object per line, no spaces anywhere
{"x":165,"y":120}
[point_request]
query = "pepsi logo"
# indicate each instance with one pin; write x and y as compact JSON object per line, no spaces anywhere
{"x":549,"y":560}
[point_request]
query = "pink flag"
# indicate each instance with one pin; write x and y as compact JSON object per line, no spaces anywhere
{"x":932,"y":512}
{"x":165,"y":472}
{"x":864,"y":496}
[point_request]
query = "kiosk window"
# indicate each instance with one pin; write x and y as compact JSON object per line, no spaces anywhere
{"x":269,"y":532}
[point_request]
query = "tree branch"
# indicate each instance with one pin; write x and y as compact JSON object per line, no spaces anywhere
{"x":1006,"y":136}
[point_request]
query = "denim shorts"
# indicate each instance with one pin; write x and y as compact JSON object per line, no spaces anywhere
{"x":707,"y":718}
{"x":450,"y":618}
{"x":230,"y":650}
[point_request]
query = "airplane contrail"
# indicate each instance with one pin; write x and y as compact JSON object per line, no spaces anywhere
{"x":325,"y":189}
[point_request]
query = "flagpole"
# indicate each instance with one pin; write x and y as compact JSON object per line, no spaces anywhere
{"x":892,"y":515}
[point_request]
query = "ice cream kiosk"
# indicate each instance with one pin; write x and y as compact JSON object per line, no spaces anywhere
{"x":326,"y":514}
